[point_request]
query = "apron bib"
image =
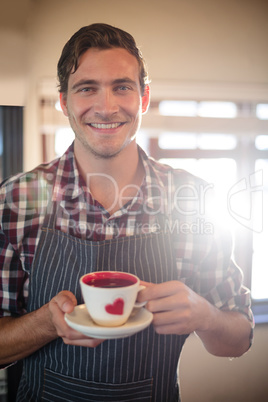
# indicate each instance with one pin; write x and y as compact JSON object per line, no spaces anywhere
{"x":142,"y":367}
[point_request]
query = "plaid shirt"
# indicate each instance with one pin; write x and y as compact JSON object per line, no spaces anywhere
{"x":170,"y":200}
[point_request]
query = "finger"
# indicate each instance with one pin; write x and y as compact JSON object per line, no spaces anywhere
{"x":161,"y":305}
{"x":63,"y":302}
{"x":66,"y":301}
{"x":146,"y":284}
{"x":141,"y":297}
{"x":158,"y":291}
{"x":172,"y":329}
{"x":70,"y":336}
{"x":172,"y":323}
{"x":84,"y":341}
{"x":169,"y":318}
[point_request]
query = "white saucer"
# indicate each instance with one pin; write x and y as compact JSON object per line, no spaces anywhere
{"x":80,"y":320}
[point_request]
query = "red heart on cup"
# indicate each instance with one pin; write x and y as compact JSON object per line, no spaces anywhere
{"x":116,"y":308}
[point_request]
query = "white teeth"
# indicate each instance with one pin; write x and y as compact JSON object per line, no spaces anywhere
{"x":105,"y":126}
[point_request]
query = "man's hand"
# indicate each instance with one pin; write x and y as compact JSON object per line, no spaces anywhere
{"x":176,"y":308}
{"x":65,"y":302}
{"x":22,"y":336}
{"x":179,"y":310}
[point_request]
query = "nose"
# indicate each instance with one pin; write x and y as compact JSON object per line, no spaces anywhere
{"x":106,"y":103}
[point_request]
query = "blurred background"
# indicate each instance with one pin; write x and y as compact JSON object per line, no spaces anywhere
{"x":208,"y":65}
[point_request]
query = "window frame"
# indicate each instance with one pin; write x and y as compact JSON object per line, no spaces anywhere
{"x":245,"y":154}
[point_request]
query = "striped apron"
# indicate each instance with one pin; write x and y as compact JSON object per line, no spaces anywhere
{"x":142,"y":367}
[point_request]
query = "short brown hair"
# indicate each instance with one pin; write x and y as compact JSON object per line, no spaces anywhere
{"x":102,"y":36}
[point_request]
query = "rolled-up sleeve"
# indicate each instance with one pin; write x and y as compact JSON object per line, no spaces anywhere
{"x":13,"y":280}
{"x":220,"y":280}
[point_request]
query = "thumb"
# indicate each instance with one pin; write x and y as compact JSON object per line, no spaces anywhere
{"x":66,"y":301}
{"x":146,"y":284}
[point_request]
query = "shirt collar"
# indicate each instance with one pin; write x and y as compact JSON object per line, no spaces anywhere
{"x":153,"y":191}
{"x":69,"y":184}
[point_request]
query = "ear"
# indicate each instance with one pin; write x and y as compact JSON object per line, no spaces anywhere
{"x":63,"y":103}
{"x":145,"y":99}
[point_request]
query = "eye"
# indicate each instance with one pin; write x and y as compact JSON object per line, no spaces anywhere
{"x":123,"y":88}
{"x":86,"y":89}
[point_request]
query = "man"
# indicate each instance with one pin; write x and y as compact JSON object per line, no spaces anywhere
{"x":105,"y":205}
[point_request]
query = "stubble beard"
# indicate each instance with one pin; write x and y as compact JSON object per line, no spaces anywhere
{"x":100,"y":154}
{"x":107,"y":154}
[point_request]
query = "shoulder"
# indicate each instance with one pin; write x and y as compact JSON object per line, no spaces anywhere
{"x":177,"y":177}
{"x":28,"y":190}
{"x":179,"y":192}
{"x":42,"y":173}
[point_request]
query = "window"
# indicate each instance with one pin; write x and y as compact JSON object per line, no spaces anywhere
{"x":203,"y":109}
{"x":64,"y":136}
{"x":236,"y":162}
{"x":226,"y":110}
{"x":261,"y":142}
{"x":11,"y":136}
{"x":262,"y":111}
{"x":178,"y":108}
{"x":219,"y":172}
{"x":169,"y":140}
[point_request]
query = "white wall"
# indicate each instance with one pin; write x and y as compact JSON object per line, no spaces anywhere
{"x":186,"y":43}
{"x":206,"y":378}
{"x":13,"y":56}
{"x":211,"y":42}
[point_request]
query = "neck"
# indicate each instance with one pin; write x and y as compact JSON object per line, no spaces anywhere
{"x":112,"y":181}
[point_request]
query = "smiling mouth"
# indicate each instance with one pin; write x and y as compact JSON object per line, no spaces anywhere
{"x":105,"y":125}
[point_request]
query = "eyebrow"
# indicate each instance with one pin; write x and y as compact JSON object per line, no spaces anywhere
{"x":124,"y":80}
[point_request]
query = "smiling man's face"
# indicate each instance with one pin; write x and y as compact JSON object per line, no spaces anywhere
{"x":104,"y":102}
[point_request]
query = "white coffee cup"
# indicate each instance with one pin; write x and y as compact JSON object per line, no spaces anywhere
{"x":110,"y":296}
